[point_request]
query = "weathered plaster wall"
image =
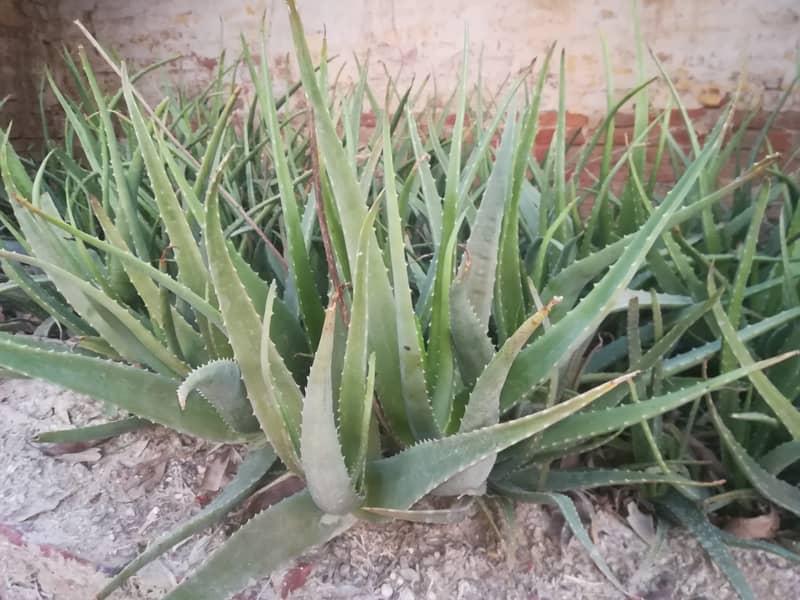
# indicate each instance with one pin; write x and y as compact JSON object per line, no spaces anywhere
{"x":705,"y":45}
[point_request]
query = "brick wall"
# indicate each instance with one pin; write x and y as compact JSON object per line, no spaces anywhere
{"x":29,"y":33}
{"x":705,"y":46}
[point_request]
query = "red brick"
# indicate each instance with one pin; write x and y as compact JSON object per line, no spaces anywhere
{"x":665,"y":173}
{"x":625,"y":119}
{"x":450,"y":120}
{"x":756,"y":122}
{"x":788,"y":119}
{"x":783,"y":140}
{"x":368,"y":119}
{"x":549,"y":118}
{"x":540,"y":151}
{"x":682,"y":137}
{"x":544,"y":137}
{"x":695,"y":115}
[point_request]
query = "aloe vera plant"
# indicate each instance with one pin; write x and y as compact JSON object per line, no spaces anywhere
{"x":453,"y":362}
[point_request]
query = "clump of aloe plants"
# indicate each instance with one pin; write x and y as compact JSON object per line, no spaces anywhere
{"x":415,"y":316}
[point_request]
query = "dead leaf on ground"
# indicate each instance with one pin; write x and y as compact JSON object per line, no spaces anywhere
{"x":641,"y":523}
{"x":216,"y":472}
{"x":283,"y":487}
{"x":762,"y":527}
{"x":63,"y":448}
{"x":156,"y":475}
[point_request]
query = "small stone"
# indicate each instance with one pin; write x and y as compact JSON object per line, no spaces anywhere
{"x":386,"y":591}
{"x":406,"y":594}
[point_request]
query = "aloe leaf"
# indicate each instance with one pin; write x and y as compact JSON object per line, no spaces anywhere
{"x":471,"y":343}
{"x":92,"y":432}
{"x":278,"y":380}
{"x":114,"y":322}
{"x":398,"y":482}
{"x":353,"y":403}
{"x":565,"y":336}
{"x":440,"y":361}
{"x":434,"y":516}
{"x":191,"y":270}
{"x":15,"y":177}
{"x":573,"y":279}
{"x":762,"y":545}
{"x":735,"y":303}
{"x":559,"y":480}
{"x":244,"y":332}
{"x":430,"y":195}
{"x":509,"y":296}
{"x":780,"y":404}
{"x":476,"y":274}
{"x":268,"y":540}
{"x":284,"y":331}
{"x":412,"y":368}
{"x":148,"y":395}
{"x":351,"y":212}
{"x":710,"y":538}
{"x":79,"y":125}
{"x":326,"y":473}
{"x":310,"y":307}
{"x":691,"y":358}
{"x":45,"y":299}
{"x":589,"y":424}
{"x":212,"y":148}
{"x":248,"y":477}
{"x":770,"y":486}
{"x":683,"y":322}
{"x":781,"y":457}
{"x":146,"y":289}
{"x":127,"y":205}
{"x":220,"y":382}
{"x":196,"y":301}
{"x":483,"y":406}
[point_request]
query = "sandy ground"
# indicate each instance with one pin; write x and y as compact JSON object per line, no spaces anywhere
{"x":67,"y":521}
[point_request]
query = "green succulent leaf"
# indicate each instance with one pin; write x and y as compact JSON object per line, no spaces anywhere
{"x":589,"y":424}
{"x":421,"y":420}
{"x":398,"y":482}
{"x":782,"y":407}
{"x":244,"y":329}
{"x":220,"y":382}
{"x":565,"y":336}
{"x":351,"y":211}
{"x":118,"y":326}
{"x":261,"y":545}
{"x":145,"y":394}
{"x":310,"y":307}
{"x":92,"y":432}
{"x":192,"y":271}
{"x":690,"y":515}
{"x":327,"y":477}
{"x":354,"y":405}
{"x":776,"y":490}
